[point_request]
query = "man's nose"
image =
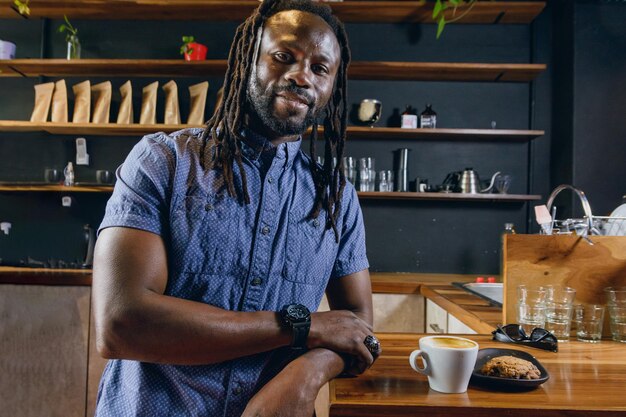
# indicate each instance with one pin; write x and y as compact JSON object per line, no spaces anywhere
{"x":300,"y":75}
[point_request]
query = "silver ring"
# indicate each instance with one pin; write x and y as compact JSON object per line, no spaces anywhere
{"x":372,"y":344}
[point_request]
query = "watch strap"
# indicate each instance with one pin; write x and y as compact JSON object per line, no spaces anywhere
{"x":300,"y":334}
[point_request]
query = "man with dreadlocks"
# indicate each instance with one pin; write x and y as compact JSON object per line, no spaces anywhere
{"x":218,"y":243}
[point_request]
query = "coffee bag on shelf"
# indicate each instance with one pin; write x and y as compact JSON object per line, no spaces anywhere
{"x":172,"y":110}
{"x":125,"y":115}
{"x":148,"y":104}
{"x":197,"y":95}
{"x":102,"y":102}
{"x":82,"y":102}
{"x":59,"y":102}
{"x":43,"y":97}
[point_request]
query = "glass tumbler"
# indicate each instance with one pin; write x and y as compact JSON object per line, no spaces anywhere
{"x":385,"y":181}
{"x":559,"y":320}
{"x":588,"y":319}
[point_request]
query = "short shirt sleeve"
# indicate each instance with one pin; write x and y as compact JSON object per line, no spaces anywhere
{"x":352,"y":256}
{"x":141,"y":195}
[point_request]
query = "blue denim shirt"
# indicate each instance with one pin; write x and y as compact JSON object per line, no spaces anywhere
{"x":234,"y":256}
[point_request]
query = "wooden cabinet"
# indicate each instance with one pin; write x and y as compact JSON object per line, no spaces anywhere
{"x":44,"y":339}
{"x":439,"y":320}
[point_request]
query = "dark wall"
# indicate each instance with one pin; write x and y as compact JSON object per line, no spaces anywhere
{"x":420,"y":236}
{"x":589,"y":103}
{"x":599,"y":165}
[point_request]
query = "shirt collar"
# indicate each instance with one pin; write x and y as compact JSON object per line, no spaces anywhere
{"x":255,"y":146}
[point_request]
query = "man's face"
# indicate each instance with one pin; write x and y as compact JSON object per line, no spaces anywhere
{"x":298,"y":59}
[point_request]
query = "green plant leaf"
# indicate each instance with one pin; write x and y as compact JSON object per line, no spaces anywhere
{"x":437,"y":9}
{"x":440,"y":25}
{"x":454,"y":2}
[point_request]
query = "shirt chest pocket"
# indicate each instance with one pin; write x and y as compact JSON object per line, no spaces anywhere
{"x":310,"y":249}
{"x":204,"y":233}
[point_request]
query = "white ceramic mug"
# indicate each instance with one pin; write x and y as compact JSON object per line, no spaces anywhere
{"x":448,"y":362}
{"x":7,"y":50}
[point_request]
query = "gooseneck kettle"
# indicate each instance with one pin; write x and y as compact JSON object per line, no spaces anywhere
{"x":468,"y":181}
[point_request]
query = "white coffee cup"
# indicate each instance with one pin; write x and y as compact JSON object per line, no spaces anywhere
{"x":448,"y":362}
{"x":7,"y":50}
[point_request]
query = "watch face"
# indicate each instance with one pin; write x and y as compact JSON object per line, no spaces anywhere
{"x":298,"y":312}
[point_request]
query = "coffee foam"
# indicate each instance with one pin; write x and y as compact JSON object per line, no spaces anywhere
{"x":451,"y":342}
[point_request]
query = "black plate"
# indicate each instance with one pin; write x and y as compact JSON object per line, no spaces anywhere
{"x":506,"y":383}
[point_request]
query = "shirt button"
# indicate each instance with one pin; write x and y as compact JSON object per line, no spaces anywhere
{"x":257,"y":281}
{"x":208,"y":207}
{"x":316,"y":222}
{"x":237,"y":390}
{"x":270,"y":180}
{"x":265,"y":230}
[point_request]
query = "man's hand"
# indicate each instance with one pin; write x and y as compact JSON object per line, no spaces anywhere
{"x":342,"y":331}
{"x":292,"y":392}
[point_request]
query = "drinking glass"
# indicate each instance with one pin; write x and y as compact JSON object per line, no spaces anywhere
{"x":615,"y":295}
{"x":531,"y":295}
{"x":588,"y":319}
{"x":503,"y":182}
{"x":617,"y":315}
{"x":560,"y":295}
{"x":385,"y":181}
{"x":52,"y":176}
{"x":530,"y":316}
{"x":559,"y":320}
{"x":349,"y":169}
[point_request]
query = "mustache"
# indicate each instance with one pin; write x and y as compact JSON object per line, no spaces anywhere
{"x":294,"y":89}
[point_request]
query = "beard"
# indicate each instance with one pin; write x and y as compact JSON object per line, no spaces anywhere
{"x":261,"y":109}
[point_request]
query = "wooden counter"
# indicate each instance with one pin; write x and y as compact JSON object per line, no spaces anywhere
{"x":585,"y":381}
{"x":473,"y":311}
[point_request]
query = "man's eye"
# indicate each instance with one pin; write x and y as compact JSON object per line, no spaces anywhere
{"x":320,"y":69}
{"x":282,"y":56}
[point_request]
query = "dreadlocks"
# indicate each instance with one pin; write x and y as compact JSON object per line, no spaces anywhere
{"x":224,"y":129}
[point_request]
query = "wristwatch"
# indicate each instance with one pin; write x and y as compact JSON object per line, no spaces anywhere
{"x":297,"y":318}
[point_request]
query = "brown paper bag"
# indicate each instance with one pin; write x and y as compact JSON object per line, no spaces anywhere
{"x":148,"y":104}
{"x":125,"y":115}
{"x":82,"y":102}
{"x":172,"y":111}
{"x":102,"y":102}
{"x":43,"y":97}
{"x":59,"y":102}
{"x":197,"y":96}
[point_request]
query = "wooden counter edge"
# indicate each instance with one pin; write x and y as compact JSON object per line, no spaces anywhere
{"x":466,"y":316}
{"x":382,"y":282}
{"x":44,"y":276}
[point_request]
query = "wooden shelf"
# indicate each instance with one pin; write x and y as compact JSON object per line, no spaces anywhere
{"x":30,"y":187}
{"x":354,"y":132}
{"x":359,"y":70}
{"x":485,"y":12}
{"x":382,"y":282}
{"x":375,"y":195}
{"x":110,"y":129}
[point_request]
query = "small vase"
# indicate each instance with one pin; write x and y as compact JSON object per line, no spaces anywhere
{"x":73,"y":48}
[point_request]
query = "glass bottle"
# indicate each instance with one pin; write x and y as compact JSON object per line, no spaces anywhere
{"x":428,"y":118}
{"x":409,"y":118}
{"x":68,"y":172}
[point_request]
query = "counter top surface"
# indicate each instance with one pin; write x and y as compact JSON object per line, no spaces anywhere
{"x":585,"y":381}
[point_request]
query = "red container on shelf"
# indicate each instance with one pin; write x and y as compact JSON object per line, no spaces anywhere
{"x":198,"y":52}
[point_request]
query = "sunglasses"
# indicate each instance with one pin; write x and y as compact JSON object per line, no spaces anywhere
{"x":514,"y":333}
